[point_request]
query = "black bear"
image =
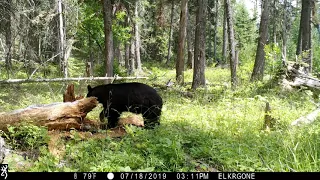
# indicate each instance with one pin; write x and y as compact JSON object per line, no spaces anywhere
{"x":132,"y":97}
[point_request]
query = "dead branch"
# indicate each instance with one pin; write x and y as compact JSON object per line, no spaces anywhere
{"x":19,"y":81}
{"x":309,"y":118}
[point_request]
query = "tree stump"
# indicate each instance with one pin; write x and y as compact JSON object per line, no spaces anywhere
{"x":269,"y":121}
{"x":69,"y":95}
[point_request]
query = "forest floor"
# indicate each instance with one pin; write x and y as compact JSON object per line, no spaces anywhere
{"x":211,"y":129}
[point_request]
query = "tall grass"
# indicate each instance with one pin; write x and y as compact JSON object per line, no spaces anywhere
{"x":216,"y":128}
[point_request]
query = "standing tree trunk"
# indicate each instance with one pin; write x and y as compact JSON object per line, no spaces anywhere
{"x":232,"y":44}
{"x":299,"y":47}
{"x":132,"y":56}
{"x":7,"y":27}
{"x":137,"y":38}
{"x":305,"y":34}
{"x":170,"y":33}
{"x":63,"y":61}
{"x":127,"y":56}
{"x":274,"y":22}
{"x":189,"y":43}
{"x":284,"y":34}
{"x":209,"y":31}
{"x":258,"y":68}
{"x":225,"y":38}
{"x":127,"y":49}
{"x":108,"y":37}
{"x":90,"y":56}
{"x":117,"y":53}
{"x":215,"y":30}
{"x":182,"y":37}
{"x":199,"y":46}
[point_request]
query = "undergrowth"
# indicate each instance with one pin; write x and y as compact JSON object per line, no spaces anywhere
{"x":216,"y":128}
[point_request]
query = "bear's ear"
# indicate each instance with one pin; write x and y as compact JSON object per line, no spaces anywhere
{"x":89,"y":88}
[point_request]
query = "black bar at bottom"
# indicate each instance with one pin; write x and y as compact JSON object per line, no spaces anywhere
{"x":158,"y":175}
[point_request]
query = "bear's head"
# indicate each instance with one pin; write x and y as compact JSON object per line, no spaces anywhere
{"x":90,"y":91}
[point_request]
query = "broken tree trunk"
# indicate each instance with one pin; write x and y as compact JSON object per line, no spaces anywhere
{"x":62,"y":116}
{"x":69,"y":95}
{"x":2,"y":150}
{"x":296,"y":77}
{"x":269,"y":121}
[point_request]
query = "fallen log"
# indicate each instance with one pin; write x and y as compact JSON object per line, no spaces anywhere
{"x":62,"y":116}
{"x":295,"y":76}
{"x":19,"y":81}
{"x":307,"y":119}
{"x":299,"y":78}
{"x":2,"y":150}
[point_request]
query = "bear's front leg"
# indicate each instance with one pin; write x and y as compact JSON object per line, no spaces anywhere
{"x":102,"y":119}
{"x":113,"y":119}
{"x":102,"y":115}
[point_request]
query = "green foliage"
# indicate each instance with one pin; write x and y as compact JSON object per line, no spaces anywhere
{"x":27,"y":136}
{"x":156,"y":46}
{"x":215,"y":128}
{"x":245,"y":29}
{"x":316,"y":51}
{"x":99,"y":69}
{"x":47,"y":163}
{"x":272,"y":58}
{"x":121,"y":32}
{"x":76,"y":68}
{"x":90,"y":32}
{"x":204,"y":131}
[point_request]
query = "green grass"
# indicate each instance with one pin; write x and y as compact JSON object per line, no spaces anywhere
{"x":217,"y":128}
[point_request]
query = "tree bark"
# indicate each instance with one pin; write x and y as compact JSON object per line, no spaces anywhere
{"x":181,"y":46}
{"x":258,"y":69}
{"x":108,"y":37}
{"x":63,"y":61}
{"x":190,"y":63}
{"x":137,"y":38}
{"x":170,"y":33}
{"x":199,"y":45}
{"x":232,"y":44}
{"x":225,"y":39}
{"x":61,"y":116}
{"x":160,"y":15}
{"x":284,"y":34}
{"x":91,"y":60}
{"x":117,"y":52}
{"x":127,"y":48}
{"x":69,"y":95}
{"x":132,"y":57}
{"x":2,"y":150}
{"x":8,"y":36}
{"x":127,"y":56}
{"x":215,"y":30}
{"x":274,"y":22}
{"x":305,"y":34}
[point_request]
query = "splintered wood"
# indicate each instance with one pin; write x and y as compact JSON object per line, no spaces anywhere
{"x":59,"y":115}
{"x":69,"y":95}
